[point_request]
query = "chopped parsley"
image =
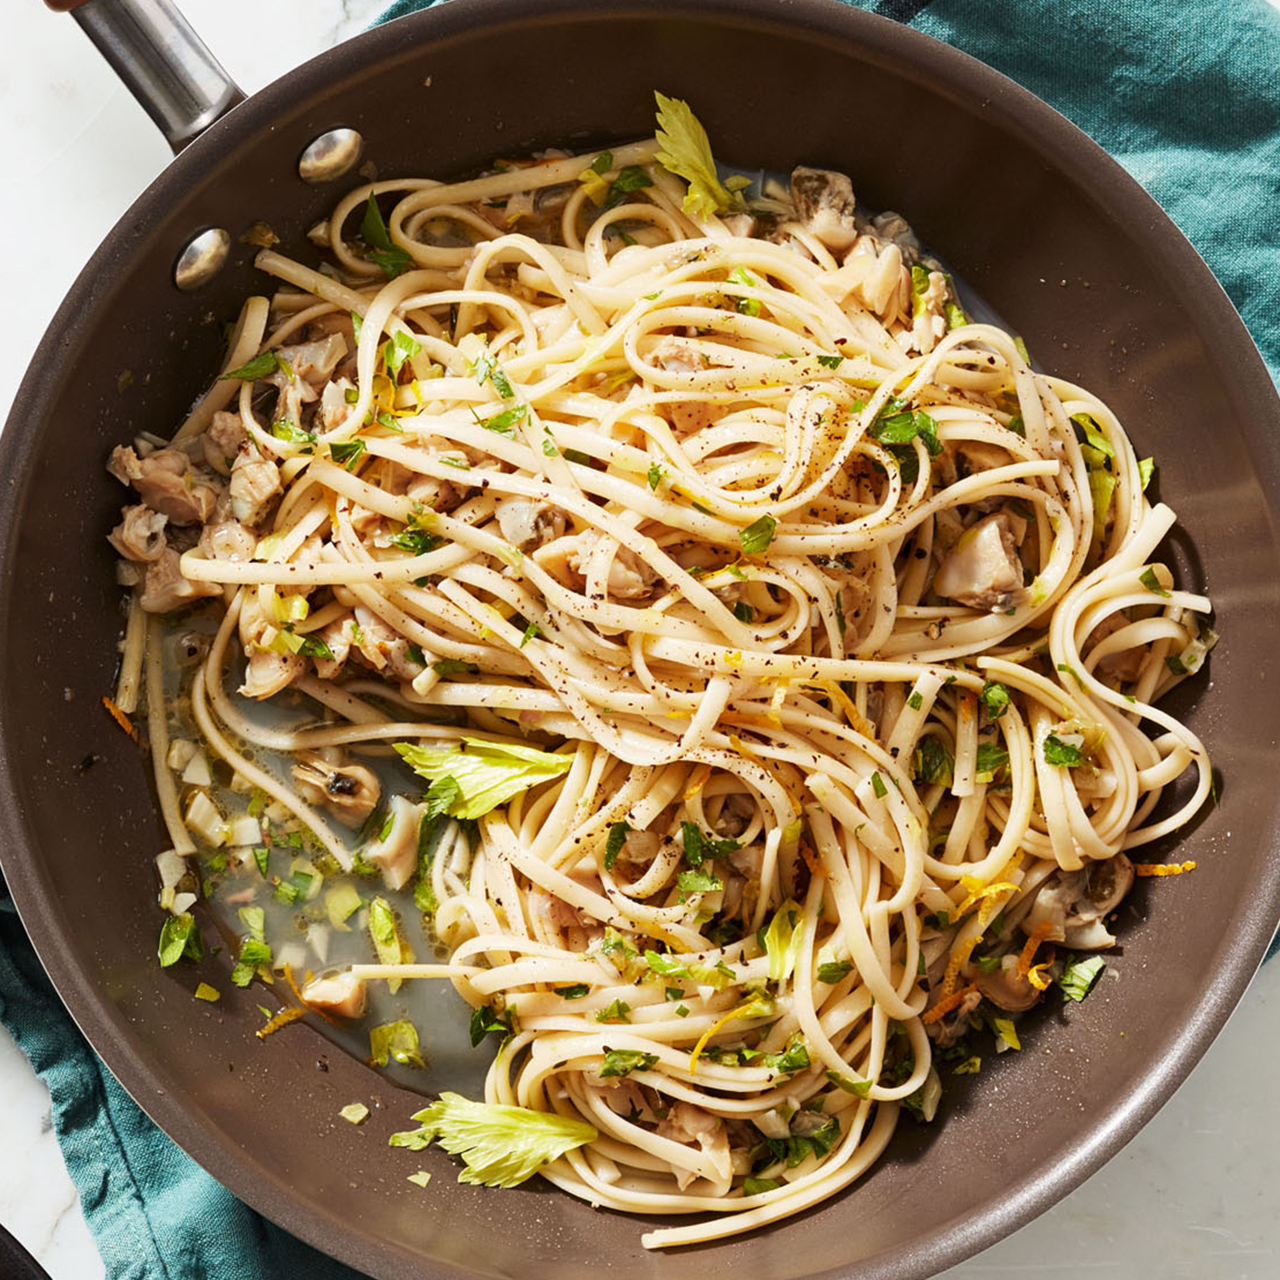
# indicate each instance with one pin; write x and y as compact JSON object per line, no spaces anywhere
{"x":630,"y":179}
{"x":995,"y":697}
{"x":745,"y":306}
{"x":850,"y":1084}
{"x":417,"y":542}
{"x":1152,"y":583}
{"x":400,"y":347}
{"x":795,"y":1057}
{"x":254,"y":954}
{"x":618,"y":1011}
{"x":697,"y":882}
{"x":504,"y":422}
{"x":442,"y":795}
{"x":1068,"y":670}
{"x":454,"y":667}
{"x":1061,"y":753}
{"x":933,"y":762}
{"x":486,"y":369}
{"x":618,"y":833}
{"x":384,"y":252}
{"x":261,"y":366}
{"x":179,"y":939}
{"x":347,"y":453}
{"x":621,"y":1062}
{"x":699,"y":846}
{"x":897,"y":427}
{"x":756,"y":537}
{"x":291,"y":433}
{"x":718,"y":975}
{"x":487,"y":1021}
{"x":992,"y":760}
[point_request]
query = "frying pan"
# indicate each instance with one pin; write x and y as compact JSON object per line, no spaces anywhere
{"x":1028,"y":211}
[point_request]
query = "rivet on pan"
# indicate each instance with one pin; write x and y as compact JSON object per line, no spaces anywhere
{"x":202,"y":259}
{"x":330,"y":156}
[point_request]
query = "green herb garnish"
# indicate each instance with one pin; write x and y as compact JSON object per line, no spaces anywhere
{"x":1152,"y":583}
{"x":385,"y":253}
{"x":262,"y":365}
{"x":621,"y":1062}
{"x":995,"y":697}
{"x":1061,"y":753}
{"x":501,"y":1146}
{"x":618,"y":1011}
{"x":618,"y":833}
{"x":1078,"y":977}
{"x":697,"y":882}
{"x":487,"y":773}
{"x":395,"y":1041}
{"x":179,"y":939}
{"x":454,"y":667}
{"x":756,"y":537}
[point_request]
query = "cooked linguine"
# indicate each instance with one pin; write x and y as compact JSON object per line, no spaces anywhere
{"x":777,"y":651}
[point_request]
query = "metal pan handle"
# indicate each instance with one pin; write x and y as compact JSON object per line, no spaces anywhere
{"x":161,"y":60}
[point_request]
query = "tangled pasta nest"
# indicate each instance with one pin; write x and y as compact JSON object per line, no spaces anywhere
{"x":781,"y":649}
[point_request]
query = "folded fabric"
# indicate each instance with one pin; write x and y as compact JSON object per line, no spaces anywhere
{"x":1182,"y":92}
{"x":154,"y":1213}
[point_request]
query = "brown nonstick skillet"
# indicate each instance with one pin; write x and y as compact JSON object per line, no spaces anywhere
{"x":1025,"y":208}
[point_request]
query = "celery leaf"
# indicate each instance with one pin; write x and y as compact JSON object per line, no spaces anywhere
{"x":686,"y":152}
{"x":783,"y":940}
{"x":487,"y":773}
{"x":501,"y":1146}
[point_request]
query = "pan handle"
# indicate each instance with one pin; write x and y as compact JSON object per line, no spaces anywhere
{"x":162,"y":62}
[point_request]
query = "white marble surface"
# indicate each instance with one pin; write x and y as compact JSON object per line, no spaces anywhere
{"x":1192,"y":1198}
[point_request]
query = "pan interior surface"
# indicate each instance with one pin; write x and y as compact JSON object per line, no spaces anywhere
{"x":1032,"y":215}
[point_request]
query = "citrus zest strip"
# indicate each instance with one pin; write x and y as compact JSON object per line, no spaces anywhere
{"x":945,"y":1005}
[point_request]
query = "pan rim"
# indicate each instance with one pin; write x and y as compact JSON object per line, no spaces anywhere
{"x":1084,"y":163}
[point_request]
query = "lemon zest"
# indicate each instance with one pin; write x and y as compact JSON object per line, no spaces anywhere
{"x":1162,"y":868}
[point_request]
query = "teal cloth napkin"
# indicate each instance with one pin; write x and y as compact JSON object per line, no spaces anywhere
{"x":154,"y":1213}
{"x":1184,"y":93}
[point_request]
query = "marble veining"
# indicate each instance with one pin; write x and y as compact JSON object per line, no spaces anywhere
{"x":38,"y":1204}
{"x":1191,"y":1198}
